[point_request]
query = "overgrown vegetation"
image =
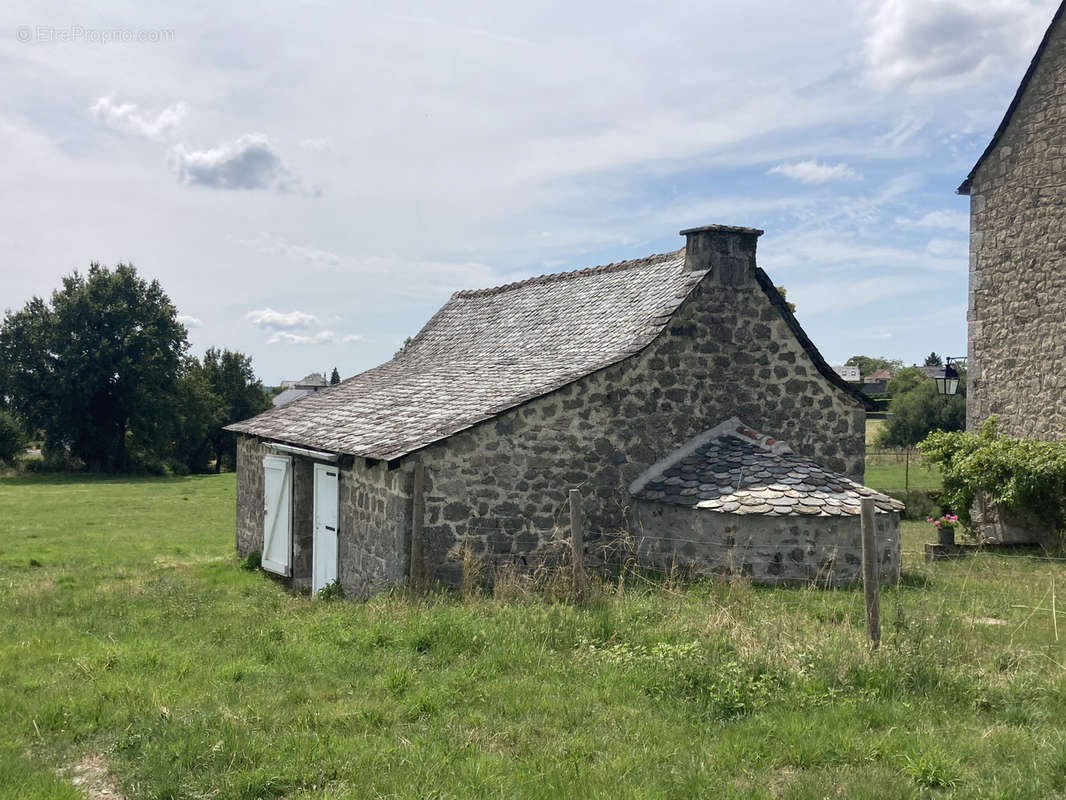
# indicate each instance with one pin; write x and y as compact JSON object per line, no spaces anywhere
{"x":129,"y":636}
{"x":1025,"y":476}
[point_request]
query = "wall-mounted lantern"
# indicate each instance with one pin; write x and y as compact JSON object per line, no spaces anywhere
{"x":948,"y":383}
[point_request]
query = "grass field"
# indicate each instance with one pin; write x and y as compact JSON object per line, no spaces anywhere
{"x":133,"y":645}
{"x":895,"y":470}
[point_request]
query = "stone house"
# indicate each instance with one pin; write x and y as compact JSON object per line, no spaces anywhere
{"x":509,"y":397}
{"x":1016,"y":359}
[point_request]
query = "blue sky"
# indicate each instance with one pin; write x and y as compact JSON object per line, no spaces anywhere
{"x":311,"y":181}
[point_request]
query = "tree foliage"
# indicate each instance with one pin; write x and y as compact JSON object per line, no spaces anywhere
{"x":934,"y":360}
{"x":239,"y":394}
{"x":868,"y":365}
{"x":12,"y":437}
{"x":906,"y":380}
{"x":96,"y":367}
{"x":102,"y":370}
{"x":919,"y":411}
{"x":335,"y":377}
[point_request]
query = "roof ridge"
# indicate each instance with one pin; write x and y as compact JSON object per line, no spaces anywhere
{"x":553,"y":277}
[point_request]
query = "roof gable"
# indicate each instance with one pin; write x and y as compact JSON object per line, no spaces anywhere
{"x":964,"y":188}
{"x":490,"y":350}
{"x":487,"y":351}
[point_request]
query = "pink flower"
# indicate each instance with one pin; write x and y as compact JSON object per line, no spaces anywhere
{"x":928,"y":519}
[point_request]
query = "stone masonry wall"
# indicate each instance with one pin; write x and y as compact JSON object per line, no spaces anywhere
{"x":502,"y":486}
{"x":250,"y":500}
{"x":374,"y":522}
{"x":374,"y":527}
{"x":767,"y":549}
{"x":1017,"y":299}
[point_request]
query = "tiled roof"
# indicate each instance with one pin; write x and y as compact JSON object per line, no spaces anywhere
{"x":287,"y":396}
{"x":733,"y":469}
{"x":487,"y":351}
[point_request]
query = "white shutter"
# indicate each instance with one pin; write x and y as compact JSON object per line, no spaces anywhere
{"x":325,"y":557}
{"x":277,"y":519}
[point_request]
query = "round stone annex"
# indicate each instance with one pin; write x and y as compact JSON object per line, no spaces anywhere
{"x":735,"y":500}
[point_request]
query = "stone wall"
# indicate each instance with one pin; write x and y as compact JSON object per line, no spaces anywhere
{"x":766,"y":549}
{"x":373,"y":527}
{"x":502,"y":486}
{"x":1017,"y":299}
{"x":250,"y":500}
{"x":374,"y":530}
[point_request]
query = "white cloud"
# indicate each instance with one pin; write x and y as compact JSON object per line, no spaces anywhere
{"x":945,"y":220}
{"x":189,"y":321}
{"x":269,"y":318}
{"x":933,"y":45}
{"x":250,"y":162}
{"x":842,"y":294}
{"x":816,"y":172}
{"x":318,"y":145}
{"x":271,"y":244}
{"x":284,"y":337}
{"x":128,"y":118}
{"x":354,"y":337}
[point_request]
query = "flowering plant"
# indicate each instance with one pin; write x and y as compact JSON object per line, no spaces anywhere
{"x":945,"y":523}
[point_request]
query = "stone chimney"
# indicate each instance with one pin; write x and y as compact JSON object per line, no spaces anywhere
{"x":727,"y":251}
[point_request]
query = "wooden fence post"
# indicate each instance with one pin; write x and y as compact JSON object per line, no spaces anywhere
{"x":577,"y":541}
{"x":869,"y":573}
{"x":418,"y":513}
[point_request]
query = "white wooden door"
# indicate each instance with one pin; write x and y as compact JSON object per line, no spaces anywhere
{"x":277,"y":517}
{"x":326,"y":551}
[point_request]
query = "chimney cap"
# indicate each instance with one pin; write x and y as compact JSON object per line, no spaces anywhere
{"x":721,"y":229}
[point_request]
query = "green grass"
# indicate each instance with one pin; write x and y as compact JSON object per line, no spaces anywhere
{"x":129,"y":632}
{"x":894,"y":470}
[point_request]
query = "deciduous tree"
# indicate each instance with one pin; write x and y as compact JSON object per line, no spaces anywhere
{"x":97,"y":366}
{"x":240,"y":395}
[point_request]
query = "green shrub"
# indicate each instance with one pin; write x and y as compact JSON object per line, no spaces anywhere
{"x":252,"y":561}
{"x":12,"y":438}
{"x":1022,"y":475}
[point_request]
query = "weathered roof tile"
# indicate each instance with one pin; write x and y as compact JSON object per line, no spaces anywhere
{"x":750,"y":485}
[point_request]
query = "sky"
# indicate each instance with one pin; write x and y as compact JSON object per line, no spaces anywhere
{"x":310,"y":181}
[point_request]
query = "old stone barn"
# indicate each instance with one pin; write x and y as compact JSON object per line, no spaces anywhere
{"x":1016,"y":366}
{"x":509,"y":397}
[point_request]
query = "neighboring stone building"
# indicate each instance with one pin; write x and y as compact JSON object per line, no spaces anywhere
{"x":1017,"y":303}
{"x":510,"y":397}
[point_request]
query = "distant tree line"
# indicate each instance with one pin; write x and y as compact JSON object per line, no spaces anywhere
{"x":101,"y":374}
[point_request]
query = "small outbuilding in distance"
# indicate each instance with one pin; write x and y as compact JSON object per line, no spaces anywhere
{"x":734,"y":501}
{"x":471,"y":437}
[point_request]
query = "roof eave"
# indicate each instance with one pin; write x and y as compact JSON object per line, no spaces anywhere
{"x":830,"y":374}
